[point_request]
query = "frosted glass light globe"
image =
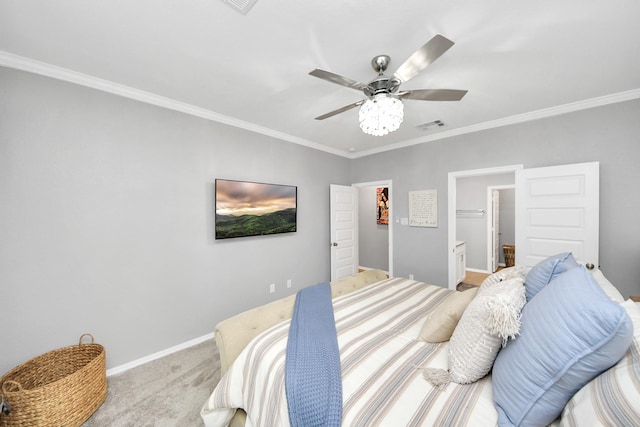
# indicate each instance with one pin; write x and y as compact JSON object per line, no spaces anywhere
{"x":381,"y":114}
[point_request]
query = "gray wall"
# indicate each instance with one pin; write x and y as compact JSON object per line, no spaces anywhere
{"x":106,"y":221}
{"x":471,"y":194}
{"x":373,"y":239}
{"x":107,"y":208}
{"x":608,"y":134}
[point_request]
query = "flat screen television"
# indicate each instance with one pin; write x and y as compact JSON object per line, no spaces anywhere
{"x":254,"y":209}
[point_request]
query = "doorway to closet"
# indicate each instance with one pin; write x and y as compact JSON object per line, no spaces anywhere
{"x":485,"y":218}
{"x":472,"y":209}
{"x":557,"y":210}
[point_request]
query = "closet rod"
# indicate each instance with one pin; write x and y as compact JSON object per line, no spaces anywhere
{"x":470,"y":211}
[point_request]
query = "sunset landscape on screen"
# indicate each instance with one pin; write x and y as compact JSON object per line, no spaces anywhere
{"x":252,"y":209}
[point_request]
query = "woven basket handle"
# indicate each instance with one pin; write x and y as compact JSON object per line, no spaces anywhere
{"x":85,"y":335}
{"x":11,"y":387}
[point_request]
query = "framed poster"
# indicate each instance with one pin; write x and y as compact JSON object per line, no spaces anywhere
{"x":423,"y":208}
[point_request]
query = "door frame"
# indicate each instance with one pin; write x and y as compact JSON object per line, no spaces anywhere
{"x":451,"y":214}
{"x":389,"y":184}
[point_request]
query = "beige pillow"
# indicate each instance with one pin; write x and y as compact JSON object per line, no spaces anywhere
{"x":441,"y":322}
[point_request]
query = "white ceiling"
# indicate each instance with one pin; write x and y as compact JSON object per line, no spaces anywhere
{"x":518,"y":60}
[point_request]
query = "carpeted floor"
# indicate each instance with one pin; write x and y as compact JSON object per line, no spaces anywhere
{"x":168,"y":392}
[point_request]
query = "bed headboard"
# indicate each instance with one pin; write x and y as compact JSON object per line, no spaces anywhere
{"x":232,"y":335}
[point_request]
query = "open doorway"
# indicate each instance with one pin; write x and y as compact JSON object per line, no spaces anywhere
{"x":375,"y":235}
{"x":501,"y":224}
{"x":345,"y":227}
{"x":469,"y":216}
{"x":373,"y":227}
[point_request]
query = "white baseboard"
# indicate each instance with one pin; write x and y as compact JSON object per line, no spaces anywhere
{"x":158,"y":355}
{"x":478,"y":270}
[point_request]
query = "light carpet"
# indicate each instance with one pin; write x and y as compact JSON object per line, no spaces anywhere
{"x":166,"y":392}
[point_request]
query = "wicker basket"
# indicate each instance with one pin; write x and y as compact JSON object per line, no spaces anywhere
{"x":60,"y":388}
{"x":509,"y":255}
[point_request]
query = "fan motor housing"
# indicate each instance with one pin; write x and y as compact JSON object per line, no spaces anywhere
{"x":382,"y":84}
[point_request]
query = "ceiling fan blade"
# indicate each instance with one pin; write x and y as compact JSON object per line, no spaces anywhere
{"x":338,"y":79}
{"x":422,"y":57}
{"x":340,"y":110}
{"x":433,"y":94}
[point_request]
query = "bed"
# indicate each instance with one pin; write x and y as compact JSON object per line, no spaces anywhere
{"x":380,"y":325}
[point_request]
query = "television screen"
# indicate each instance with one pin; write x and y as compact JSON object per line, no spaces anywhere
{"x":254,"y":209}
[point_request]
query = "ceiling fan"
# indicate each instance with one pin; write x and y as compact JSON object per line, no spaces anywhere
{"x":381,"y":111}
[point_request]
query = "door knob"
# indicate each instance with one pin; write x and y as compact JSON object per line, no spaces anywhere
{"x":589,"y":266}
{"x":335,"y":244}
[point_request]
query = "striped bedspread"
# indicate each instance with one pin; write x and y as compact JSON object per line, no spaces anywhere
{"x":381,"y":363}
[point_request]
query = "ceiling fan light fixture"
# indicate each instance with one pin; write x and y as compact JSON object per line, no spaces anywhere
{"x":381,"y":114}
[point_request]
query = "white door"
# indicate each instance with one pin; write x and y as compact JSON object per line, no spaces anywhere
{"x":495,"y":229}
{"x":344,"y":231}
{"x":557,"y":210}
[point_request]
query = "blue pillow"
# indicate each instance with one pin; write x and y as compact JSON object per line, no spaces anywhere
{"x":543,"y":272}
{"x":570,"y":333}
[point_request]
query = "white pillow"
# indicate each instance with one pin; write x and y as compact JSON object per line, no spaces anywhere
{"x":491,"y":318}
{"x":613,"y":397}
{"x":608,"y":288}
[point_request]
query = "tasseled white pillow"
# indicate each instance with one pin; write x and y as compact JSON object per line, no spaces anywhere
{"x":491,"y":318}
{"x":504,"y":274}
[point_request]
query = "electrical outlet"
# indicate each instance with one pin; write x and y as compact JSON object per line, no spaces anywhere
{"x":288,"y":283}
{"x":272,"y":288}
{"x":410,"y":276}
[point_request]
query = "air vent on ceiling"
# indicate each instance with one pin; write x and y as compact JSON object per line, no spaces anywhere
{"x":429,"y":125}
{"x":242,"y":6}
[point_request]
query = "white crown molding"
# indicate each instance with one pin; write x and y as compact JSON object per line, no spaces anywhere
{"x":11,"y":60}
{"x":519,"y":118}
{"x":37,"y":67}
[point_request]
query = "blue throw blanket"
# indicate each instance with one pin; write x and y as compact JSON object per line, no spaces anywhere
{"x":313,"y":378}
